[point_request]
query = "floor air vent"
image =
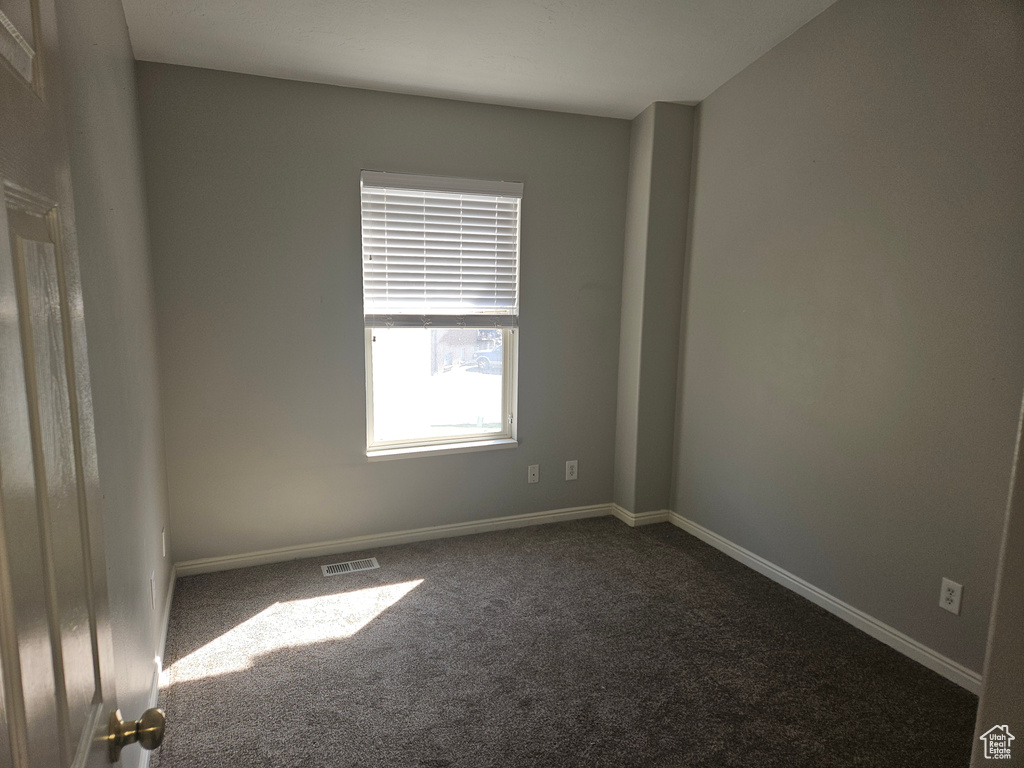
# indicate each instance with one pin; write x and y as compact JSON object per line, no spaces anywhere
{"x":336,"y":569}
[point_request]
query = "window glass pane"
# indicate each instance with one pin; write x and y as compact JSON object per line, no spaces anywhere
{"x":436,"y":383}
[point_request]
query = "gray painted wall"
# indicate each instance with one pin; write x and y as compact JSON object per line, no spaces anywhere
{"x":253,"y":191}
{"x":853,"y":358}
{"x":1001,"y":700}
{"x":666,"y":244}
{"x":106,"y":165}
{"x":634,"y":270}
{"x":657,"y":205}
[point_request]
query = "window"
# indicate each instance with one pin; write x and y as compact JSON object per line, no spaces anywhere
{"x":441,"y":310}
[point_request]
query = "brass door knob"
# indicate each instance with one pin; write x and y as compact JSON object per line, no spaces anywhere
{"x":147,"y":730}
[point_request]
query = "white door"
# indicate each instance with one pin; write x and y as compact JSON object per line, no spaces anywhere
{"x":57,"y":689}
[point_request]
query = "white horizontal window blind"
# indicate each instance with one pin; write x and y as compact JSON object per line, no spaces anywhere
{"x":439,"y":252}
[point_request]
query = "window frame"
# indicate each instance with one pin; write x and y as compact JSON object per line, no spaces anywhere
{"x":507,"y":437}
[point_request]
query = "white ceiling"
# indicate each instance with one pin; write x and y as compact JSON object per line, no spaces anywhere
{"x":597,"y":57}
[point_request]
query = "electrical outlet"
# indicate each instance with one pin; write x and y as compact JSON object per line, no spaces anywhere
{"x":533,"y":473}
{"x":152,"y":589}
{"x":163,"y":541}
{"x":571,"y":469}
{"x":949,"y":597}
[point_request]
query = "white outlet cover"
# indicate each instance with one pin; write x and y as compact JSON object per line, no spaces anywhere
{"x":950,"y":596}
{"x":572,"y":470}
{"x":533,"y":473}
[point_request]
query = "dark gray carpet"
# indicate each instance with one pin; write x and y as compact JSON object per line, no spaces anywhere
{"x":577,"y":644}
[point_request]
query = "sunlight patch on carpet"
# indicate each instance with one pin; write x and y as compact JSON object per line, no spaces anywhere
{"x":286,"y":625}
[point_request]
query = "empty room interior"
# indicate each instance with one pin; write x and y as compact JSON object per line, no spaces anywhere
{"x":519,"y":382}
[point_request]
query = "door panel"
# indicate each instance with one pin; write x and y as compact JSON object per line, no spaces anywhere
{"x":28,"y":653}
{"x":56,"y":660}
{"x":17,"y":36}
{"x":60,"y":492}
{"x":5,"y":742}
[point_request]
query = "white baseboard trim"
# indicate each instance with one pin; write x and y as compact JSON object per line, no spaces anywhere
{"x":209,"y":564}
{"x":165,"y":623}
{"x":165,"y":620}
{"x":634,"y":519}
{"x":908,"y":646}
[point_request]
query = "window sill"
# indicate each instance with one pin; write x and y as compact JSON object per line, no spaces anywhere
{"x":387,"y":454}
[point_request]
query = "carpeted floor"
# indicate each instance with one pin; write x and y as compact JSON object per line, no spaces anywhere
{"x":576,"y":644}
